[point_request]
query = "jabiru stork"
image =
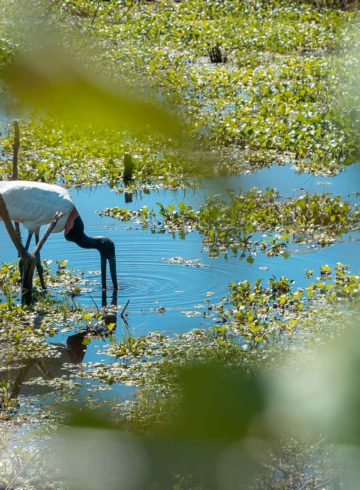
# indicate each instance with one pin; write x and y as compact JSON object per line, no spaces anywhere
{"x":33,"y":204}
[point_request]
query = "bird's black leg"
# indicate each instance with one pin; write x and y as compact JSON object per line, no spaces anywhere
{"x":27,"y":245}
{"x":39,"y":267}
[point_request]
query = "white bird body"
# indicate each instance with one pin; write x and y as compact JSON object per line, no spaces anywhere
{"x":33,"y":204}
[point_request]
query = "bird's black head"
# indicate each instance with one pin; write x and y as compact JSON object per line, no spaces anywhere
{"x":105,"y":246}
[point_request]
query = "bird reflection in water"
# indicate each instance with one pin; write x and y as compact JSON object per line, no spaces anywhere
{"x":54,"y":367}
{"x":47,"y":368}
{"x":109,"y":313}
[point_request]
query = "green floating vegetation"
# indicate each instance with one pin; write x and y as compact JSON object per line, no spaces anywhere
{"x":24,"y":330}
{"x":54,"y":152}
{"x":261,"y":314}
{"x":230,"y":226}
{"x":250,"y":317}
{"x":281,"y":96}
{"x":251,"y":326}
{"x":254,"y":327}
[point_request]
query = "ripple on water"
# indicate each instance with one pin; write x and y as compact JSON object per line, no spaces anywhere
{"x":149,"y":280}
{"x":173,"y":285}
{"x":146,"y":277}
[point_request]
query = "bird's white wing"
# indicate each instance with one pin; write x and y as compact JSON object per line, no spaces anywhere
{"x":34,"y":204}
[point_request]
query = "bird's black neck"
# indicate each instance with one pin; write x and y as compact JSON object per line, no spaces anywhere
{"x":77,"y":235}
{"x":104,"y":245}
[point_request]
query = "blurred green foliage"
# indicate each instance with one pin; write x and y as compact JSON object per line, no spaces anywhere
{"x":212,"y":405}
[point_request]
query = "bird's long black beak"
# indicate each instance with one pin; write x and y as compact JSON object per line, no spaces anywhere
{"x":112,"y":266}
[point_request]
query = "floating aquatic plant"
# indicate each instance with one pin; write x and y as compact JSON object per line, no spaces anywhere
{"x":235,"y":225}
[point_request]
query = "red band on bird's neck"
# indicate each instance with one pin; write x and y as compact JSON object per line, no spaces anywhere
{"x":70,"y":221}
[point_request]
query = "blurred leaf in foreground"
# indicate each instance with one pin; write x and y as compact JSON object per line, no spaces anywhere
{"x":222,"y":426}
{"x":320,"y":391}
{"x":46,"y":79}
{"x":56,"y":72}
{"x":211,"y":439}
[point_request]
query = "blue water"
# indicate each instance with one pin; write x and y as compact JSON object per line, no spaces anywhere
{"x":148,"y":282}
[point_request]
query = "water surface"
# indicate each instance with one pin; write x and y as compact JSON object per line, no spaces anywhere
{"x":149,"y":282}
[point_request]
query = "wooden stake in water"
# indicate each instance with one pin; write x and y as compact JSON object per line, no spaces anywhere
{"x":128,"y":169}
{"x":16,"y":147}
